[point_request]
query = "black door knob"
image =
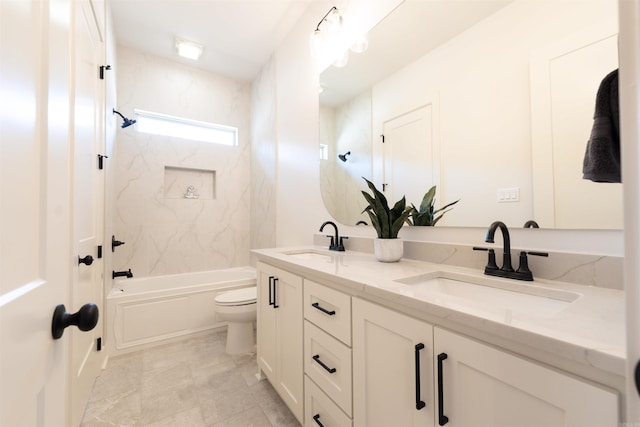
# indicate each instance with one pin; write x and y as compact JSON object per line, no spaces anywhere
{"x":88,"y":260}
{"x":85,"y":319}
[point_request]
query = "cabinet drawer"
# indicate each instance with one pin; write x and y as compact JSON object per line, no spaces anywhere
{"x":320,"y":410}
{"x":327,"y":362}
{"x":328,"y":309}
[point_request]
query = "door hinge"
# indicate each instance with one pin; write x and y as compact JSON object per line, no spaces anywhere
{"x":382,"y":136}
{"x":99,"y":344}
{"x":102,"y":70}
{"x":100,"y":162}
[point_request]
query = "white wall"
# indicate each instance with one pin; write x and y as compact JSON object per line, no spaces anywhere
{"x":300,"y":209}
{"x":165,"y":234}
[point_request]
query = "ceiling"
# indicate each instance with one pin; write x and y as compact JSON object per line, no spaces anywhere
{"x":238,"y":36}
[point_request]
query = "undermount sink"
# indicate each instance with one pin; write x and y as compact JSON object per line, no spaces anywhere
{"x":310,"y":255}
{"x":491,"y":294}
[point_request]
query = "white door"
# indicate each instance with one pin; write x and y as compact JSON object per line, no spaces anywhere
{"x":88,"y":190}
{"x":485,"y":387}
{"x":35,"y":247}
{"x":386,"y":377}
{"x":410,"y":168}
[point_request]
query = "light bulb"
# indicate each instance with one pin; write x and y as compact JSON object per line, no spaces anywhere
{"x":360,"y":44}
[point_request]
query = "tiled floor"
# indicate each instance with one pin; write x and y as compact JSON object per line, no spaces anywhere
{"x":187,"y":383}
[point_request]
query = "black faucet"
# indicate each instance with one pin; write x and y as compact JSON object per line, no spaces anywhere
{"x":531,"y":224}
{"x":491,"y":269}
{"x":506,"y":250}
{"x":128,"y":274}
{"x":336,"y":242}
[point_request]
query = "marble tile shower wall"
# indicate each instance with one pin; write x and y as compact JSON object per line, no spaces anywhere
{"x":165,"y":234}
{"x":263,"y":159}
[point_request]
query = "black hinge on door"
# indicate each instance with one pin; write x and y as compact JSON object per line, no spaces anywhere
{"x":382,"y":136}
{"x":102,"y":70}
{"x":99,"y":251}
{"x":100,"y":162}
{"x":99,"y":344}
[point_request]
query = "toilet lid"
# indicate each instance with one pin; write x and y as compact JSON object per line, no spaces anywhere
{"x":237,"y":296}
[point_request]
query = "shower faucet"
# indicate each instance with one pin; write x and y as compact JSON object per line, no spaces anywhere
{"x":128,"y":274}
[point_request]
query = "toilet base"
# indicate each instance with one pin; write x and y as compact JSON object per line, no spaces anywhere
{"x":240,"y":338}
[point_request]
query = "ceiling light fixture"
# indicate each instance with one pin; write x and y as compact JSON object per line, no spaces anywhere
{"x":188,"y":49}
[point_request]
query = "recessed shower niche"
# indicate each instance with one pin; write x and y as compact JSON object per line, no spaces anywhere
{"x":186,"y":183}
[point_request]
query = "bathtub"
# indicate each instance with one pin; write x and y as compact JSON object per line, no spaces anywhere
{"x":142,"y":312}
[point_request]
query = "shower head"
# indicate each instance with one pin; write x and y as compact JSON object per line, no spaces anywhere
{"x":343,"y":157}
{"x":126,"y":122}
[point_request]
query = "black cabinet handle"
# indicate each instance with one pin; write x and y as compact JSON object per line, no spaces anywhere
{"x":322,"y":309}
{"x":442,"y":418}
{"x":270,"y":291}
{"x":275,"y":293}
{"x":419,"y":403}
{"x":328,"y":369}
{"x":316,"y":418}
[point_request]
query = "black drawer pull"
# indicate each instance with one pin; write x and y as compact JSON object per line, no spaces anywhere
{"x":275,"y":293}
{"x":419,"y":402}
{"x":442,"y":418}
{"x":316,"y":418}
{"x":322,"y":309}
{"x":270,"y":291}
{"x":328,"y":369}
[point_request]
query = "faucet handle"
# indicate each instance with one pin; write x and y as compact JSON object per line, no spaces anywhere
{"x":491,"y":261}
{"x":341,"y":244}
{"x":332,"y":244}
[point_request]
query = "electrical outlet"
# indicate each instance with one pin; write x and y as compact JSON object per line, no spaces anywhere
{"x":508,"y":195}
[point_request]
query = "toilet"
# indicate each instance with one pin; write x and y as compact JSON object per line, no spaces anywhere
{"x":238,"y":308}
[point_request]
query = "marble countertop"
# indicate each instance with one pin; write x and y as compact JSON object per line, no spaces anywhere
{"x":580,"y":323}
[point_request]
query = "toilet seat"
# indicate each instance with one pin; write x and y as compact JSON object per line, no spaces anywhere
{"x":244,"y":296}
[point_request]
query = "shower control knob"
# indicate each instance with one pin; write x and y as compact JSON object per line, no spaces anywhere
{"x":88,"y":260}
{"x":85,"y":319}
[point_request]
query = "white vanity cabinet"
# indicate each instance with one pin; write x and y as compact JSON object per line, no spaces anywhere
{"x":461,"y":381}
{"x":392,"y":368}
{"x":483,"y":386}
{"x":280,"y":326}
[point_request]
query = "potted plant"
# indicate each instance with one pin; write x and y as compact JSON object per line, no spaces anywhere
{"x":426,"y":215}
{"x":387,"y":222}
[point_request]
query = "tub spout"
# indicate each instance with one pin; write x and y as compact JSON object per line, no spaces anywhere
{"x":128,"y":274}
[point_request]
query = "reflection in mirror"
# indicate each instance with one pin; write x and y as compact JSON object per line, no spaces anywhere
{"x":500,"y":134}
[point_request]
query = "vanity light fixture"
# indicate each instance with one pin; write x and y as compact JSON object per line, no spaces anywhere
{"x":333,"y":27}
{"x":125,"y":122}
{"x":188,"y":49}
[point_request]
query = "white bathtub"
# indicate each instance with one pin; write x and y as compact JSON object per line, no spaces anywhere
{"x":144,"y":311}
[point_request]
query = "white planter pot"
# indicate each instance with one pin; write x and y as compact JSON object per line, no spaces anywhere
{"x":388,"y":250}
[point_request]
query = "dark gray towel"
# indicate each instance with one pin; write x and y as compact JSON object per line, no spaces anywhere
{"x":602,"y":156}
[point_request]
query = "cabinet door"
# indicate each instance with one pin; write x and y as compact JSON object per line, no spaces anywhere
{"x":487,"y":387}
{"x":280,"y":344}
{"x":386,"y":377}
{"x":289,"y":352}
{"x":266,"y":325}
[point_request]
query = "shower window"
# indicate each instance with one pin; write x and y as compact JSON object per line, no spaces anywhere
{"x":163,"y":124}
